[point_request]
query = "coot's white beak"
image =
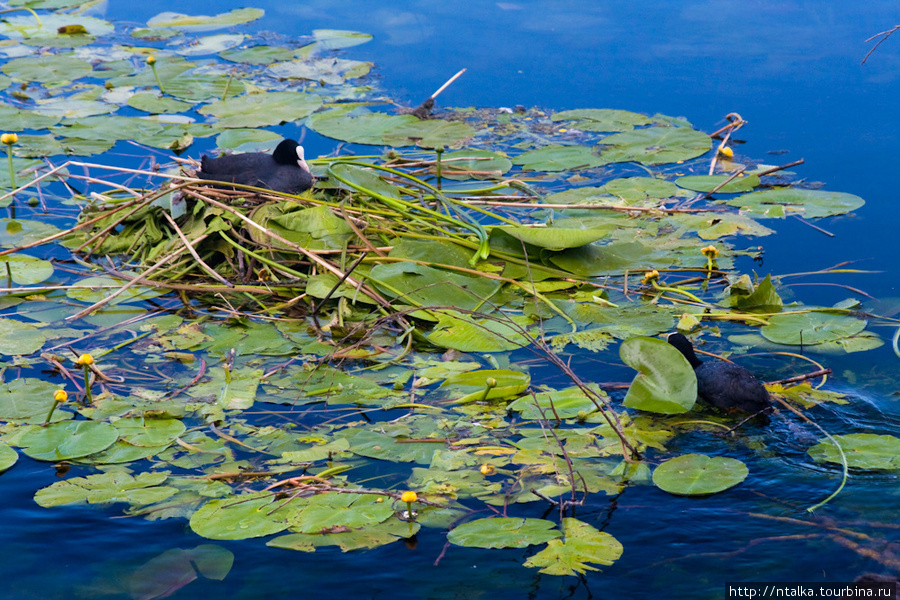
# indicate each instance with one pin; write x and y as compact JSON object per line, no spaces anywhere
{"x":301,"y":162}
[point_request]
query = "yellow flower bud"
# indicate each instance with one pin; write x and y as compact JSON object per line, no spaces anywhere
{"x":651,"y":275}
{"x":151,"y":60}
{"x":710,"y":251}
{"x":726,"y":152}
{"x":9,"y":138}
{"x":408,"y":497}
{"x":85,"y":359}
{"x":60,"y":395}
{"x":487,"y":469}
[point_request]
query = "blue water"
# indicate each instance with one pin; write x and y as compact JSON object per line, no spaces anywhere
{"x":792,"y":69}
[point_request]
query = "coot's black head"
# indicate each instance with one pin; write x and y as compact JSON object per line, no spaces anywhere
{"x":289,"y":152}
{"x":683,"y":345}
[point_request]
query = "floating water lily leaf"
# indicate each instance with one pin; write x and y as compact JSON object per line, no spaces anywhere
{"x":97,"y":288}
{"x":335,"y":39}
{"x":503,"y":532}
{"x":74,"y":109}
{"x":555,"y":238}
{"x":25,"y":397}
{"x":810,"y":203}
{"x":382,"y":446}
{"x":707,"y":183}
{"x":329,"y":511}
{"x":8,"y":457}
{"x":155,"y":103}
{"x":20,"y":338}
{"x":811,"y":328}
{"x":366,"y":538}
{"x":602,"y":119}
{"x":763,"y":298}
{"x":25,"y":26}
{"x":66,"y":440}
{"x":211,"y":44}
{"x":698,"y":474}
{"x":559,"y":158}
{"x":635,"y":190}
{"x":196,"y":87}
{"x":712,"y":226}
{"x":562,"y":404}
{"x":106,"y":488}
{"x":583,"y":544}
{"x":148,"y":432}
{"x":488,"y":384}
{"x":53,"y":68}
{"x":665,"y":382}
{"x":15,"y":119}
{"x":24,"y":269}
{"x":237,"y":16}
{"x":259,"y":110}
{"x":467,"y":334}
{"x":379,"y":129}
{"x":332,"y":71}
{"x":241,"y":517}
{"x":248,"y":140}
{"x":655,"y":145}
{"x":258,"y":55}
{"x":862,"y":451}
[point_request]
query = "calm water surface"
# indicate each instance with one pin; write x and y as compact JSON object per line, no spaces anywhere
{"x":792,"y":69}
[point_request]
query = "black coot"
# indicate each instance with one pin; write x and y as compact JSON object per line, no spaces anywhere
{"x":723,"y":384}
{"x":282,"y":171}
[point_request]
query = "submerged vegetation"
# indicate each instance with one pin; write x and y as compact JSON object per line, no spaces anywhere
{"x":246,"y":356}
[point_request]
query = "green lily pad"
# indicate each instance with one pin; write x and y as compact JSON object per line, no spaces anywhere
{"x":332,"y":71}
{"x":66,"y":440}
{"x":474,"y":164}
{"x":602,"y":119}
{"x":779,"y":202}
{"x":505,"y":384}
{"x":211,"y":44}
{"x":8,"y":457}
{"x":333,"y":510}
{"x":238,"y":16}
{"x":426,"y":286}
{"x":582,"y":545}
{"x":559,"y":158}
{"x":241,"y":517}
{"x":503,"y":532}
{"x":15,"y":119}
{"x":811,"y":328}
{"x":707,"y":183}
{"x":665,"y":382}
{"x":106,"y":488}
{"x":564,"y":404}
{"x":655,"y":145}
{"x":54,"y":68}
{"x":260,"y":110}
{"x":25,"y":397}
{"x":258,"y":55}
{"x":862,"y":451}
{"x":469,"y":334}
{"x":18,"y":338}
{"x":97,"y":288}
{"x":22,"y":26}
{"x":335,"y":39}
{"x":155,"y":103}
{"x":381,"y":129}
{"x":698,"y":474}
{"x":24,"y":269}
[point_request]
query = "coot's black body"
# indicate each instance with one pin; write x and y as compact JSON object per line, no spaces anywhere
{"x":284,"y":170}
{"x":723,"y":384}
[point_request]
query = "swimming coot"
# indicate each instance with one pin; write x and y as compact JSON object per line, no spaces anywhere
{"x":282,"y":171}
{"x":723,"y":384}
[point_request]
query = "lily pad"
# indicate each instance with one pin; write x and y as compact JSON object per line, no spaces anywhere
{"x":241,"y":517}
{"x":862,"y":451}
{"x":8,"y":457}
{"x":24,"y":269}
{"x":559,"y":158}
{"x":699,"y":475}
{"x":811,"y":328}
{"x":665,"y":382}
{"x":488,"y":384}
{"x":18,"y":338}
{"x":54,"y":68}
{"x":155,"y":103}
{"x":779,"y":202}
{"x":382,"y":129}
{"x":260,"y":110}
{"x":555,"y":238}
{"x":25,"y":397}
{"x":237,"y":16}
{"x":503,"y":532}
{"x":602,"y":119}
{"x":582,"y":545}
{"x":655,"y":145}
{"x":105,"y":488}
{"x":66,"y":440}
{"x":707,"y":183}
